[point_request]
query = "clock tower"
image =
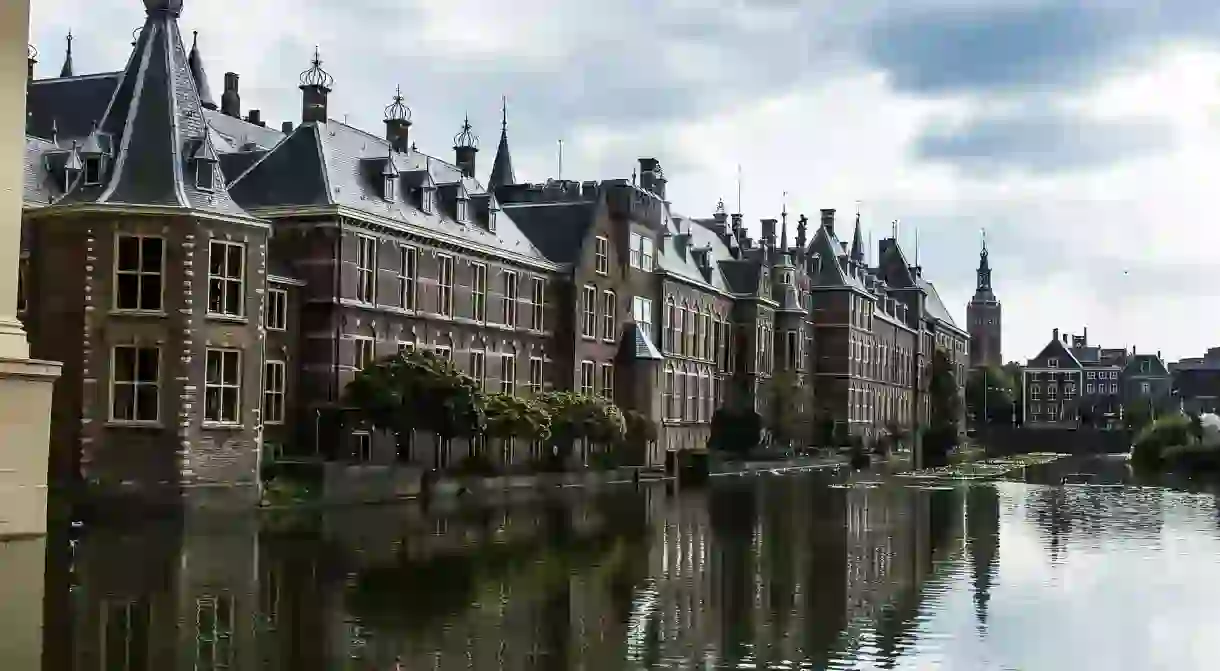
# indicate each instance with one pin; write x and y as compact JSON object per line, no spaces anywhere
{"x":983,"y":317}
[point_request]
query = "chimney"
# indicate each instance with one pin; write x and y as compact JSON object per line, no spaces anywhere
{"x":1086,"y":336}
{"x":398,"y":124}
{"x":651,"y":176}
{"x":736,"y":218}
{"x":465,"y":147}
{"x":286,"y":128}
{"x":828,"y":219}
{"x":230,"y":100}
{"x":1056,"y":334}
{"x":801,"y":231}
{"x":255,"y":117}
{"x":768,"y":233}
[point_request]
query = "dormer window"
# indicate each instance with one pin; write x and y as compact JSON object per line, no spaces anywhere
{"x":387,"y":188}
{"x":93,"y":170}
{"x":427,"y":200}
{"x":491,"y":220}
{"x":205,"y":175}
{"x":463,"y":210}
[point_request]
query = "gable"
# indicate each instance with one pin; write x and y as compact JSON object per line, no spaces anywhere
{"x":1054,"y":351}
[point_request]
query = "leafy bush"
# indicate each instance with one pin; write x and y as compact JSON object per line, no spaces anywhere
{"x":1167,"y":431}
{"x":516,"y":417}
{"x":735,"y":431}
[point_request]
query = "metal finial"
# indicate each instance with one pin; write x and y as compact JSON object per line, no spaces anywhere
{"x":32,"y":52}
{"x":315,"y":75}
{"x":504,"y":114}
{"x":466,"y":137}
{"x":194,"y":40}
{"x":984,"y":232}
{"x":55,"y":132}
{"x":397,"y":110}
{"x":135,"y":35}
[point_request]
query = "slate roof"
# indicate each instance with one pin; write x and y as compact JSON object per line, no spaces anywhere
{"x":324,"y":164}
{"x":558,"y":229}
{"x":635,"y":346}
{"x":934,"y":306}
{"x":829,"y":249}
{"x":1156,"y":367}
{"x":73,"y":104}
{"x":152,"y":124}
{"x":502,"y":169}
{"x":681,"y":263}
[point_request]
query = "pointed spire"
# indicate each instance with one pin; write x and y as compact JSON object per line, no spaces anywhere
{"x":66,"y":71}
{"x":73,"y":165}
{"x":502,"y":169}
{"x":200,"y":75}
{"x":783,"y":215}
{"x":982,"y":291}
{"x":857,"y":242}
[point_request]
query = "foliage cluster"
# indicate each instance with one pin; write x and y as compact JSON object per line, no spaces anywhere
{"x":943,"y":431}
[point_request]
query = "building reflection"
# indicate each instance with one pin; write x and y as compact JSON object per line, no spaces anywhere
{"x":789,"y":572}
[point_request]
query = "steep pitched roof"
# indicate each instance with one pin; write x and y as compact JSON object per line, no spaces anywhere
{"x":558,"y":229}
{"x":1156,"y":366}
{"x":324,"y":164}
{"x":73,"y":104}
{"x":1055,"y":349}
{"x":153,"y":121}
{"x":681,"y":230}
{"x":934,"y":306}
{"x":502,"y":169}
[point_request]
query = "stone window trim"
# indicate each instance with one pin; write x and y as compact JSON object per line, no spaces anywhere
{"x":366,"y":269}
{"x":606,"y":375}
{"x":588,"y":307}
{"x":609,"y":315}
{"x":275,"y":392}
{"x":140,"y":274}
{"x":508,"y":374}
{"x":537,"y":304}
{"x":222,"y":387}
{"x":478,"y":292}
{"x":509,"y":300}
{"x":601,"y":252}
{"x":587,"y":382}
{"x":408,"y":276}
{"x":444,"y":285}
{"x":226,"y":281}
{"x":137,"y":381}
{"x":537,"y":380}
{"x":277,"y":309}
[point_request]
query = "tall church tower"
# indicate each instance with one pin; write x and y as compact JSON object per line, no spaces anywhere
{"x":983,"y":317}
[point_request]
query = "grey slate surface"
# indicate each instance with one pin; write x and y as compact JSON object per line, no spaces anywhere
{"x":935,"y":306}
{"x":635,"y":346}
{"x":71,"y":104}
{"x":557,"y":229}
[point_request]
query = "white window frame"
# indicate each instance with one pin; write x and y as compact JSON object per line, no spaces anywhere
{"x":126,"y":613}
{"x":427,"y":199}
{"x":366,"y":269}
{"x":1089,"y":389}
{"x":1113,"y":388}
{"x":408,"y":276}
{"x":647,"y":253}
{"x":140,"y":273}
{"x":537,"y":303}
{"x":537,"y":375}
{"x":364,"y":351}
{"x":275,"y":396}
{"x":277,"y":309}
{"x":601,"y":255}
{"x":478,"y":367}
{"x":636,"y":250}
{"x":588,"y":322}
{"x":223,"y":385}
{"x":606,"y":379}
{"x":443,"y":351}
{"x":444,"y":285}
{"x":223,"y":281}
{"x":587,"y":380}
{"x":509,"y":300}
{"x":478,"y":292}
{"x":1052,"y":363}
{"x":641,"y":313}
{"x":463,"y":210}
{"x":609,"y":315}
{"x":136,"y":384}
{"x":387,"y":187}
{"x":206,"y":175}
{"x":508,"y":374}
{"x":221,"y":639}
{"x":363,"y":446}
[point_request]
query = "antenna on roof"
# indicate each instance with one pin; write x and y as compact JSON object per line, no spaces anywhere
{"x":917,"y":246}
{"x":560,"y":176}
{"x":894,"y":230}
{"x":738,"y":188}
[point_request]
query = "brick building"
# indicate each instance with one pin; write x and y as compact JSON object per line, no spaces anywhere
{"x":983,"y":319}
{"x":1196,"y":381}
{"x":213,"y":284}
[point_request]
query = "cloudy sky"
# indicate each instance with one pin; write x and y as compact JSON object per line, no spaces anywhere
{"x":1084,"y":135}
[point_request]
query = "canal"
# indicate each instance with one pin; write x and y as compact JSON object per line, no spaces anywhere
{"x":1074,"y":565}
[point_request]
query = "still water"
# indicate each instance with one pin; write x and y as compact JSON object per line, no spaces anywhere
{"x":827,"y":570}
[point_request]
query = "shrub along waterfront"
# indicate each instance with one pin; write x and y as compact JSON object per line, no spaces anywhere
{"x":1179,"y":442}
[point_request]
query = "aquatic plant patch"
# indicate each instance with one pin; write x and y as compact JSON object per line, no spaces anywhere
{"x":987,"y":468}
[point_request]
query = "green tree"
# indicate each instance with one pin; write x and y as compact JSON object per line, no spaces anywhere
{"x":1138,"y":413}
{"x":575,"y":417}
{"x":1015,"y":373}
{"x":945,"y":408}
{"x":516,"y":417}
{"x":417,"y":391}
{"x":989,"y":395}
{"x":735,"y":431}
{"x":641,"y":432}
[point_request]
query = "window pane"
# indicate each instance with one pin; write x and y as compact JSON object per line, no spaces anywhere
{"x":124,"y":402}
{"x":124,"y":364}
{"x":232,"y":302}
{"x":152,"y":248}
{"x":216,"y":259}
{"x":213,"y":368}
{"x":230,"y":368}
{"x":215,"y":295}
{"x":129,"y":253}
{"x":147,"y":364}
{"x":146,"y":402}
{"x":234,"y":263}
{"x":150,"y":292}
{"x":128,"y":292}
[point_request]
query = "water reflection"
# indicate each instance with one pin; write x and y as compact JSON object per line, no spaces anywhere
{"x":765,"y":572}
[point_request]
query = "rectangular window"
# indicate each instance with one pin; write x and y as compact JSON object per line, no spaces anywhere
{"x":607,"y":375}
{"x":227,"y":278}
{"x":586,"y":378}
{"x":1052,"y":393}
{"x":508,"y":374}
{"x":791,"y":352}
{"x":636,"y":245}
{"x":1053,"y":363}
{"x":408,"y":259}
{"x":609,"y":315}
{"x":478,"y":292}
{"x":213,"y":633}
{"x":443,"y":352}
{"x":222,"y":387}
{"x":362,"y":449}
{"x":277,"y":310}
{"x":404,"y":346}
{"x":510,"y":298}
{"x":641,"y":313}
{"x":124,"y":635}
{"x":138,"y":273}
{"x":537,"y":300}
{"x":478,"y":369}
{"x":588,"y":325}
{"x":444,"y":285}
{"x":135,"y":388}
{"x":536,"y":379}
{"x":1113,"y":388}
{"x":362,"y":354}
{"x":1092,"y":375}
{"x":274,"y":392}
{"x":1145,"y":389}
{"x":1034,"y":392}
{"x":646,"y":253}
{"x":602,"y":254}
{"x":366,"y":269}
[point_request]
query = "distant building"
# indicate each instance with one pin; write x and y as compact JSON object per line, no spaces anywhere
{"x":1196,"y":382}
{"x":983,"y":319}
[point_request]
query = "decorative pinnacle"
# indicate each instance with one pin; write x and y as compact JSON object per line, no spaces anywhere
{"x":466,"y":138}
{"x":32,"y":52}
{"x":720,"y":206}
{"x":397,"y":110}
{"x":503,"y":114}
{"x":315,"y":75}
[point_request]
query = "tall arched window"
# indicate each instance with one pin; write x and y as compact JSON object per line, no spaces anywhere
{"x":671,"y":321}
{"x":667,"y":400}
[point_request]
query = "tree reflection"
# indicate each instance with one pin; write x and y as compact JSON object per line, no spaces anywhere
{"x":983,"y":539}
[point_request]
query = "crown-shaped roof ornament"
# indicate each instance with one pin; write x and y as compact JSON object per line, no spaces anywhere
{"x":32,"y":52}
{"x":315,"y":75}
{"x":720,"y":206}
{"x":173,"y":7}
{"x":466,"y":137}
{"x":397,"y":110}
